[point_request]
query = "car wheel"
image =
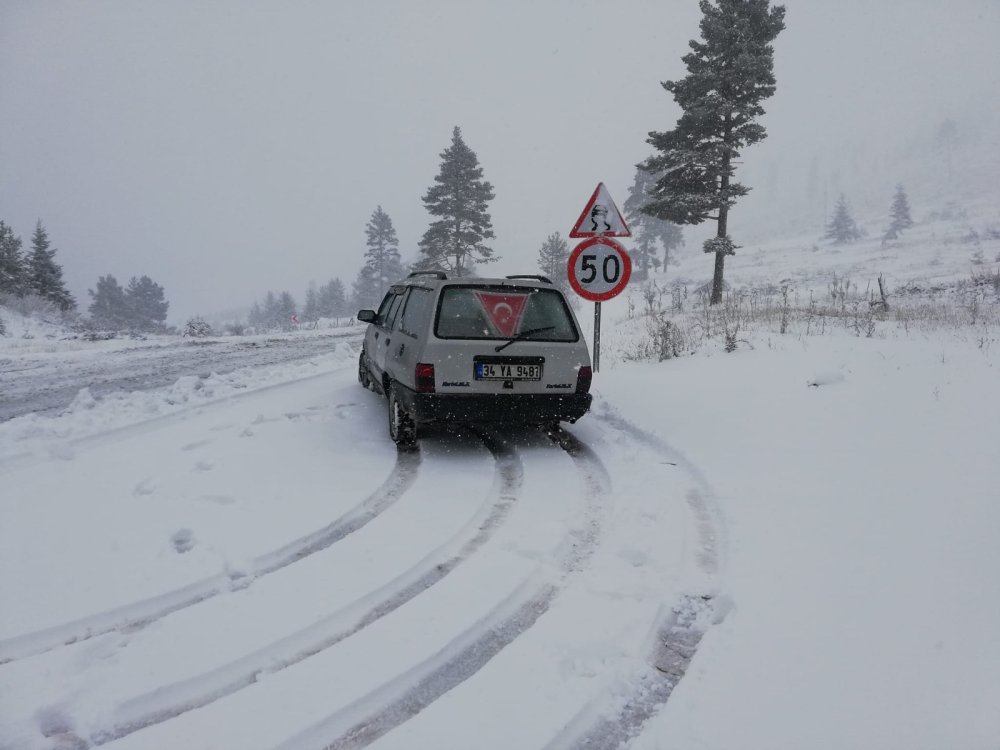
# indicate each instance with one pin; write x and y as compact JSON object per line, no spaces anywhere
{"x":402,"y":428}
{"x":363,"y":376}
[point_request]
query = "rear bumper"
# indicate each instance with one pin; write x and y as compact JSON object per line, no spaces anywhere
{"x":506,"y":408}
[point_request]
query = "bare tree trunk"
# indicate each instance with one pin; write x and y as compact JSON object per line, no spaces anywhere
{"x":723,"y":228}
{"x":720,"y":262}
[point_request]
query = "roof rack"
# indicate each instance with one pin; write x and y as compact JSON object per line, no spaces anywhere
{"x":537,"y":277}
{"x":435,"y":274}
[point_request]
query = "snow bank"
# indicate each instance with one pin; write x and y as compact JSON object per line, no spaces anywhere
{"x":88,"y":416}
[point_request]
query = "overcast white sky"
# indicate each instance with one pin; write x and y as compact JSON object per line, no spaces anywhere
{"x":228,"y":148}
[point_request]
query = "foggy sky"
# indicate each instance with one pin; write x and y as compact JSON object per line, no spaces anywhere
{"x":229,"y":148}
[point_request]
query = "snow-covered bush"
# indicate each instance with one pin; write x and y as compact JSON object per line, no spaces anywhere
{"x":33,"y":306}
{"x":751,"y":316}
{"x":198,"y":327}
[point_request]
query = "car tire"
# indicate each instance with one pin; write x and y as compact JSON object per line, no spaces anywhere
{"x":402,"y":428}
{"x":364,"y":377}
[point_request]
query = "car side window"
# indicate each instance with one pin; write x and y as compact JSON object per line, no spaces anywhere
{"x":390,"y":315}
{"x":383,"y":309}
{"x":417,"y":311}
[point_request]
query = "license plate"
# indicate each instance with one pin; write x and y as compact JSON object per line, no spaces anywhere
{"x":486,"y":371}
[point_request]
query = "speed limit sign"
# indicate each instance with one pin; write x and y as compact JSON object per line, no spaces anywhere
{"x":599,"y":269}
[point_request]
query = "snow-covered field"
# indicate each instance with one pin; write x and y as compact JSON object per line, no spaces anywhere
{"x":800,"y":537}
{"x":790,"y":545}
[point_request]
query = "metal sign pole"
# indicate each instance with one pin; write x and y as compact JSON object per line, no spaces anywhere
{"x":597,"y":337}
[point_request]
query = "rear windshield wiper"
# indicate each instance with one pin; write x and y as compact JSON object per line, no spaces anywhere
{"x":523,"y":335}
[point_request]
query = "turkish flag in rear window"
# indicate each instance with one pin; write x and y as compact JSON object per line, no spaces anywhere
{"x":503,"y":310}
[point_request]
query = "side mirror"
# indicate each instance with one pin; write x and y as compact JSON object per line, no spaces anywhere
{"x":366,"y":316}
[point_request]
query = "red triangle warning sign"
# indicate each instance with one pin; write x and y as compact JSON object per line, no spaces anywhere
{"x":601,"y":217}
{"x":503,"y":310}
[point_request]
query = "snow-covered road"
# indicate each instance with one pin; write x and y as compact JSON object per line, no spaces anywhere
{"x":272,"y":549}
{"x":49,"y":378}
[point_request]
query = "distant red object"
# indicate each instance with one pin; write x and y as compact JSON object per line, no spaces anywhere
{"x":295,"y":318}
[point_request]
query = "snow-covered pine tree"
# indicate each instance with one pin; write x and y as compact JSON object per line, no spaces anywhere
{"x":730,"y":72}
{"x":44,"y":274}
{"x":645,"y":252}
{"x":108,"y":307}
{"x":650,"y":233}
{"x":272,"y":314}
{"x":310,"y":310}
{"x":553,"y":258}
{"x":455,"y":241}
{"x":255,"y":318}
{"x":146,"y":304}
{"x":333,"y":300}
{"x":382,"y":255}
{"x":366,"y":292}
{"x":286,"y":308}
{"x":842,"y":227}
{"x":13,"y":270}
{"x":899,"y":213}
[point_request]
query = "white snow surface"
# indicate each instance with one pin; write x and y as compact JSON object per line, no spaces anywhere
{"x":793,"y":545}
{"x":830,"y":501}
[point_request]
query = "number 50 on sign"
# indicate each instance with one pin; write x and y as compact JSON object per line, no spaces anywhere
{"x":599,"y":269}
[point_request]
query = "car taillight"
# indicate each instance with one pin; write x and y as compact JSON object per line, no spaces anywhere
{"x":583,"y":378}
{"x":423,"y":378}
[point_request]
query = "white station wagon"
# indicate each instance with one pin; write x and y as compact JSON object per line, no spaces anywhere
{"x":473,"y":350}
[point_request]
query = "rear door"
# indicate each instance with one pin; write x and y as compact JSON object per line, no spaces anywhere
{"x":539,"y":342}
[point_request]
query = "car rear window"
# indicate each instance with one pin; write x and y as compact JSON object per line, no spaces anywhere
{"x":502,"y":312}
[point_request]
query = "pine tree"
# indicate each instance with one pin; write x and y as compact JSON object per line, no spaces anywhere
{"x":730,"y":72}
{"x":108,"y":307}
{"x":553,"y":260}
{"x":332,"y":300}
{"x":382,"y":255}
{"x":271,"y":317}
{"x":256,"y":318}
{"x":13,"y":269}
{"x":286,"y":308}
{"x":455,"y":240}
{"x":899,"y":214}
{"x":146,"y":304}
{"x":310,"y":310}
{"x":44,"y":274}
{"x":842,"y":227}
{"x":649,"y":232}
{"x":366,"y":292}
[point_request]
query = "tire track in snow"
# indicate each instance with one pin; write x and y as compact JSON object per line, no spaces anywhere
{"x":370,"y":717}
{"x":168,"y":702}
{"x":141,"y":613}
{"x":701,"y":499}
{"x":677,"y":632}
